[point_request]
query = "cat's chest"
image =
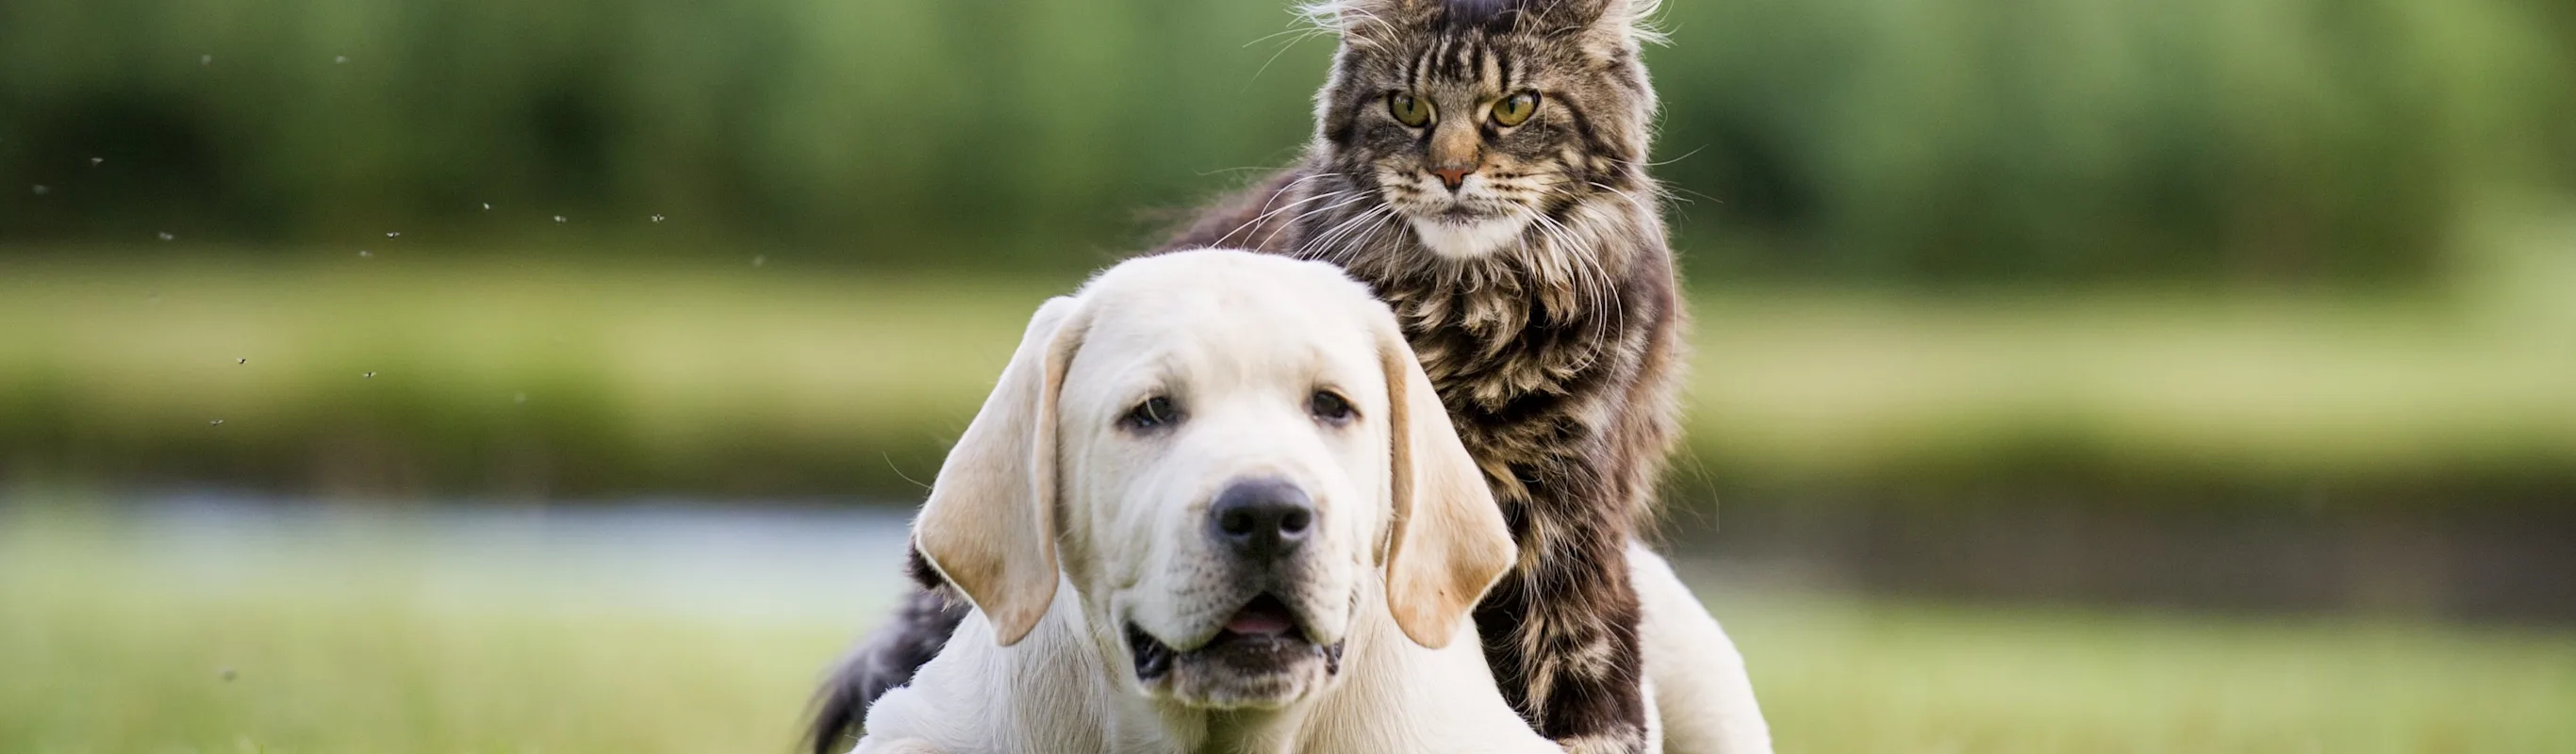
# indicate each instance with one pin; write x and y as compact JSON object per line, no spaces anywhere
{"x":1495,"y":352}
{"x":1519,"y":396}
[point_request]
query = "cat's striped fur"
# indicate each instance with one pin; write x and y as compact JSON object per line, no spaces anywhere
{"x":1538,"y":292}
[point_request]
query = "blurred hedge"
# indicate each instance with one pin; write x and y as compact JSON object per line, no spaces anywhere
{"x":1980,"y":139}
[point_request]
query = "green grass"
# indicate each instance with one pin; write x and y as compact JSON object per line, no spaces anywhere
{"x":579,"y":379}
{"x":98,"y":654}
{"x":345,"y":641}
{"x":1856,"y":676}
{"x":564,"y":378}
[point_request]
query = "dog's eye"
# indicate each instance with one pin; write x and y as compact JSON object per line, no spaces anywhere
{"x":1330,"y":407}
{"x":1153,"y":412}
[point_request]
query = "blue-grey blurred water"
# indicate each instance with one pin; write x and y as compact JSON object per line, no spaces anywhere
{"x":841,"y":565}
{"x":765,"y":563}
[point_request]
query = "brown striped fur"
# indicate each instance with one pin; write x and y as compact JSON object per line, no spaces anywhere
{"x":1556,"y":351}
{"x":1554,"y":344}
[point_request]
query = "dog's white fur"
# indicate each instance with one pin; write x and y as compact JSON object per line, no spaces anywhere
{"x":1064,"y":527}
{"x":1703,"y":699}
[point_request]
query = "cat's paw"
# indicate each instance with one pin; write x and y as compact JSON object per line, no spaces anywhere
{"x":1616,"y":743}
{"x":876,"y":745}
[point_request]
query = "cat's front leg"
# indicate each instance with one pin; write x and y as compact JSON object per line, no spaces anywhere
{"x":1579,"y":659}
{"x":1596,"y":702}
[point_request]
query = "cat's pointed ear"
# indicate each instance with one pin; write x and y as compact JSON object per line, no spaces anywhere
{"x":1367,"y":22}
{"x":1607,"y":28}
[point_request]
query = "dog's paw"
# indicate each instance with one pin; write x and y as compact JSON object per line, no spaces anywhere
{"x":875,"y":745}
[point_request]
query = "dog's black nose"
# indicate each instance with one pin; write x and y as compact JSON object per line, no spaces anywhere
{"x":1262,"y":519}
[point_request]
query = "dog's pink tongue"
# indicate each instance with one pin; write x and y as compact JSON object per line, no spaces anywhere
{"x":1254,"y":620}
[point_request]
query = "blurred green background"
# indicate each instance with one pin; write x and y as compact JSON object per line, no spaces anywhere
{"x":2068,"y":375}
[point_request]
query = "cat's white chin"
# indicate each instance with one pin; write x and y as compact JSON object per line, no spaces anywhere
{"x":1468,"y":238}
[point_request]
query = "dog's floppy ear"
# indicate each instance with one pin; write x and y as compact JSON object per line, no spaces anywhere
{"x":1449,"y":541}
{"x":989,"y":526}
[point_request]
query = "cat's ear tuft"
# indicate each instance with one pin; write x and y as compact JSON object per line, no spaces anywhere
{"x":1368,"y":22}
{"x":1607,"y":27}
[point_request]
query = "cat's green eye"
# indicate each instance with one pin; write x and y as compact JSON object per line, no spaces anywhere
{"x":1408,"y":109}
{"x":1516,"y":109}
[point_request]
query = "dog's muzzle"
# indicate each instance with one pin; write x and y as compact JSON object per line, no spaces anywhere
{"x":1265,"y":653}
{"x":1264,"y":637}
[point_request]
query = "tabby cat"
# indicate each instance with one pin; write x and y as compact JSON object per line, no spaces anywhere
{"x":1481,"y":164}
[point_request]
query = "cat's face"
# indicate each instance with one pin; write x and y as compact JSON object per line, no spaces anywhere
{"x":1478,"y":121}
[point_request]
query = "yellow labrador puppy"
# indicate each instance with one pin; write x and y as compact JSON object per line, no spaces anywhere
{"x":1212,"y":506}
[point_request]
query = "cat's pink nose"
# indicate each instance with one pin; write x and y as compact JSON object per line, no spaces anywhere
{"x":1453,"y":175}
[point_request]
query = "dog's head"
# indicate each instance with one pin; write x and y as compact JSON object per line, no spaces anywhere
{"x":1222,"y":452}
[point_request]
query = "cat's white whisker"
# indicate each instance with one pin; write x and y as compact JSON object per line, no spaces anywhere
{"x":1301,"y":217}
{"x":1256,"y":222}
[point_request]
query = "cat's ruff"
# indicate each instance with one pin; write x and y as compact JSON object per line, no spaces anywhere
{"x":1468,"y":238}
